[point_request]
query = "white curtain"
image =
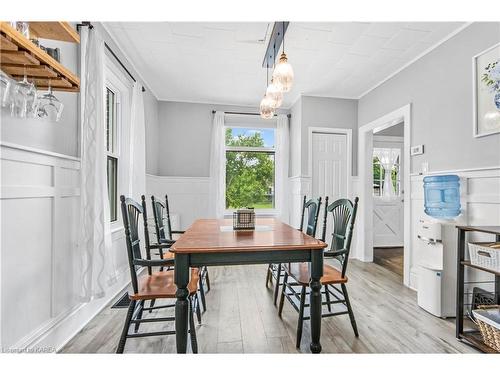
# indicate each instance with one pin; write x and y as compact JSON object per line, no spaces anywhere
{"x":282,"y":158}
{"x":388,"y":157}
{"x":217,"y":160}
{"x":94,"y":243}
{"x":137,"y":168}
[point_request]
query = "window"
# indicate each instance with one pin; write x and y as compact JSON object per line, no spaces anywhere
{"x":379,"y":174}
{"x":250,"y":167}
{"x":112,"y":154}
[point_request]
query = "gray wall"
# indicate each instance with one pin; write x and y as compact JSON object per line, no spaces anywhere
{"x":63,"y":136}
{"x":295,"y":138}
{"x":328,"y":113}
{"x":397,"y":130}
{"x":185,"y":137}
{"x":152,"y":132}
{"x":439,"y":88}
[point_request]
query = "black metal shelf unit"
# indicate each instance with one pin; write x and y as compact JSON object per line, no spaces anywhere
{"x":472,"y":337}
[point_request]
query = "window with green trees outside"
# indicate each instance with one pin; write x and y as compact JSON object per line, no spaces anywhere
{"x":250,"y":167}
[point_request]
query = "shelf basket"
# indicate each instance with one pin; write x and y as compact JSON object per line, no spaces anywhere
{"x":487,"y":317}
{"x":244,"y":219}
{"x":485,"y":255}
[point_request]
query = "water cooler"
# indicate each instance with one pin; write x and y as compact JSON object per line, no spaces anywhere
{"x":437,"y":245}
{"x":437,"y":271}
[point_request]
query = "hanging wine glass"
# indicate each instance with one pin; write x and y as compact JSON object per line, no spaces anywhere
{"x":49,"y":106}
{"x":24,"y":98}
{"x":5,"y":89}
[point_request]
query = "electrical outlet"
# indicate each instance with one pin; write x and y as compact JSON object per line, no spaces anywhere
{"x":417,"y":150}
{"x":425,"y":167}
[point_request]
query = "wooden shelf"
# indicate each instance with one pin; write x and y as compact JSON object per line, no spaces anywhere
{"x":468,"y":264}
{"x":54,"y":30}
{"x":18,"y":53}
{"x":474,"y":339}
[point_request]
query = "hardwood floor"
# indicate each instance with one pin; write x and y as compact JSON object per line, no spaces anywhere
{"x":390,"y":258}
{"x":241,"y":318}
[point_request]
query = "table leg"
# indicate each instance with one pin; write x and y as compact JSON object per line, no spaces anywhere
{"x":315,"y":299}
{"x":460,"y":284}
{"x":182,"y":303}
{"x":497,"y":278}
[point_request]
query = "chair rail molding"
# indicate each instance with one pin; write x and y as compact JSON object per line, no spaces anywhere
{"x":40,"y":201}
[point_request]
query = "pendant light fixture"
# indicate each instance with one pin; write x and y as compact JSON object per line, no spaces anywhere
{"x":283,"y":72}
{"x":274,"y":94}
{"x":267,"y":104}
{"x":273,"y":91}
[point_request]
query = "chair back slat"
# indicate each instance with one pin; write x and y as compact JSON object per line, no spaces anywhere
{"x":343,"y":214}
{"x":161,"y":213}
{"x":312,"y":206}
{"x":130,"y":214}
{"x":158,"y":214}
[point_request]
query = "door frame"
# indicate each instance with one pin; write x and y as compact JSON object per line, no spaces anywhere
{"x":365,"y":221}
{"x":348,"y":133}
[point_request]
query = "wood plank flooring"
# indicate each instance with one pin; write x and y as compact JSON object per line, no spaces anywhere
{"x":241,"y":318}
{"x":390,"y":258}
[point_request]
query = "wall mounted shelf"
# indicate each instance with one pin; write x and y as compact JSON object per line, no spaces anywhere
{"x":17,"y":53}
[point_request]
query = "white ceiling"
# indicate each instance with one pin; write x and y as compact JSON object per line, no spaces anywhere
{"x":222,"y":62}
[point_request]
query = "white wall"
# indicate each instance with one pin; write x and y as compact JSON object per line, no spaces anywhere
{"x":295,"y":138}
{"x":40,"y":276}
{"x":439,"y":87}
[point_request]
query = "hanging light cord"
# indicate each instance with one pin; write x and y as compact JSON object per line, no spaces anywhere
{"x":283,"y":31}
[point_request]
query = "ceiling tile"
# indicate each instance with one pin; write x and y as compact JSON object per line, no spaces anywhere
{"x":405,"y":38}
{"x":347,"y":32}
{"x":367,"y":45}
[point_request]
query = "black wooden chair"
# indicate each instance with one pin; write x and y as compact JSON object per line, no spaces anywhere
{"x":164,"y":236}
{"x":152,"y":285}
{"x":274,"y":271}
{"x":344,"y":215}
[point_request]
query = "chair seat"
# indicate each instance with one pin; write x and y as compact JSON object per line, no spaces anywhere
{"x":168,"y":255}
{"x":161,"y":285}
{"x":301,"y":273}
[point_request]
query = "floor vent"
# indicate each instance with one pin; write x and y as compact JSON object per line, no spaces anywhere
{"x":122,"y":302}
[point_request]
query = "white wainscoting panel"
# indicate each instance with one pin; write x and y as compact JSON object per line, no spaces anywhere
{"x":187,"y":196}
{"x":480,"y":190}
{"x":40,"y":198}
{"x":298,"y":187}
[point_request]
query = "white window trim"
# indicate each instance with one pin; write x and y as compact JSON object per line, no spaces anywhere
{"x":262,"y":212}
{"x":122,"y":87}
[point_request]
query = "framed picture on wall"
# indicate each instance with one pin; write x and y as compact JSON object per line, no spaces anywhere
{"x":486,"y":73}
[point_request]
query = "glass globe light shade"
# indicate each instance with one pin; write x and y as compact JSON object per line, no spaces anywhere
{"x":266,"y":108}
{"x":283,"y":74}
{"x":274,"y":93}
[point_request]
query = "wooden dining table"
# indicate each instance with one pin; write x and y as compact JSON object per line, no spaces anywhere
{"x":213,"y":242}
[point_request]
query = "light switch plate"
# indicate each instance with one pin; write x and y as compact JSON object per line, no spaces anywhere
{"x":425,"y":167}
{"x":417,"y":150}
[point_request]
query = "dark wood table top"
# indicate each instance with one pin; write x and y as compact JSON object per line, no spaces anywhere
{"x":493,"y":229}
{"x":217,"y":236}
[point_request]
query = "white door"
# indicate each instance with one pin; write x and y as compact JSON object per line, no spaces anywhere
{"x":329,"y":170}
{"x":388,"y":213}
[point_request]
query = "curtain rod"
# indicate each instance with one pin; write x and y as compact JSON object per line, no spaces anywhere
{"x":90,"y":26}
{"x":247,"y":113}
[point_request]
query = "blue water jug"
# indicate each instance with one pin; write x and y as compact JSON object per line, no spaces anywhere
{"x":442,"y":196}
